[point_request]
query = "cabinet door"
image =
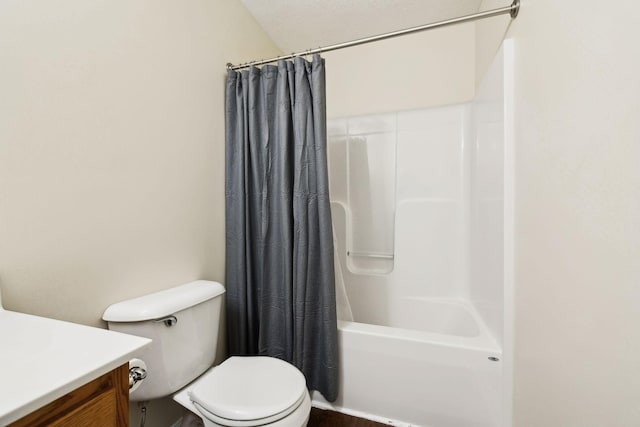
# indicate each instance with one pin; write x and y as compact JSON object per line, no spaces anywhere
{"x":97,"y":412}
{"x":104,"y":402}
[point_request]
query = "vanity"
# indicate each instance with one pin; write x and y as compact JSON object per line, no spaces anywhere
{"x":55,"y":373}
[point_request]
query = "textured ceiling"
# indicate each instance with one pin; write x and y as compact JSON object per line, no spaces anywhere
{"x":296,"y":25}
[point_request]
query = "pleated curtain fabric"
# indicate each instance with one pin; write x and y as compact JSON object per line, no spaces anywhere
{"x":279,"y":246}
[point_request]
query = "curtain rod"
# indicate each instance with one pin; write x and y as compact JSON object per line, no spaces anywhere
{"x":512,"y":10}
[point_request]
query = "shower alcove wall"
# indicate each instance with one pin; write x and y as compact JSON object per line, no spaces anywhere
{"x":418,"y":206}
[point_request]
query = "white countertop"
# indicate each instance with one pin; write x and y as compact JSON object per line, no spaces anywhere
{"x":43,"y":359}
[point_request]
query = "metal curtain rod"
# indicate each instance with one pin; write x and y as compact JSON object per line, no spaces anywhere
{"x":512,"y":10}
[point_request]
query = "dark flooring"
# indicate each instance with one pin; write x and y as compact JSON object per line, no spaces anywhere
{"x":322,"y":418}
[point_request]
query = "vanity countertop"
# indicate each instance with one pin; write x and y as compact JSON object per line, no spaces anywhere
{"x":43,"y":359}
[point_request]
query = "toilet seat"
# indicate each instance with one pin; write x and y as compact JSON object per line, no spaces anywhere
{"x":247,"y":423}
{"x":249,"y":391}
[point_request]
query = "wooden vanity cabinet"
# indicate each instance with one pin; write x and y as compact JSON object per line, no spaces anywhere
{"x":103,"y":402}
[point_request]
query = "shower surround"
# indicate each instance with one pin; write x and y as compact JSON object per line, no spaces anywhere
{"x":417,"y":206}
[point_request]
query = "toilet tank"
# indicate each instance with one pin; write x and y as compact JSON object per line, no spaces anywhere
{"x":182,"y":323}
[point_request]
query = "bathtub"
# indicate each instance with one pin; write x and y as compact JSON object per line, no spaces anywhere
{"x":447,"y":374}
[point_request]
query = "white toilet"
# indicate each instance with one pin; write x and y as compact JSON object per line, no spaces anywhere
{"x":183,"y":323}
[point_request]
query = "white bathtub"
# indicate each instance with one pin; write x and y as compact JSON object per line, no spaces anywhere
{"x":440,"y":376}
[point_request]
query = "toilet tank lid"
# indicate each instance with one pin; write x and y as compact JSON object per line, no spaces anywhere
{"x":163,"y":303}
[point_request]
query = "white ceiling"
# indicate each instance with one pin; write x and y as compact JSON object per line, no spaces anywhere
{"x":296,"y":25}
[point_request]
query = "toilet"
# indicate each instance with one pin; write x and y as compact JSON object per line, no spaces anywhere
{"x":183,"y":323}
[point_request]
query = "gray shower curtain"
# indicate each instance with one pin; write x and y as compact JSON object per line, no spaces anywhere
{"x":279,"y":243}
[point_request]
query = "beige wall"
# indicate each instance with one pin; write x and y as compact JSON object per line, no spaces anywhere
{"x":577,"y":210}
{"x":489,"y":34}
{"x":112,"y":148}
{"x":421,"y":70}
{"x":112,"y":151}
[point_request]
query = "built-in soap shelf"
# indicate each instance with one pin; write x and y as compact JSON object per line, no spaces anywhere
{"x":369,"y":255}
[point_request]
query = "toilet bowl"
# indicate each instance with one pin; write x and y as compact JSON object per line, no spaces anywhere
{"x":249,"y":391}
{"x":182,"y":323}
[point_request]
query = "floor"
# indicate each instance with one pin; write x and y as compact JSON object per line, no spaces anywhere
{"x":321,"y":418}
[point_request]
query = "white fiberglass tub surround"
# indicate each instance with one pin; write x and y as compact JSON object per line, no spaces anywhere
{"x":417,"y":206}
{"x":445,"y":374}
{"x":407,"y":377}
{"x":444,"y":317}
